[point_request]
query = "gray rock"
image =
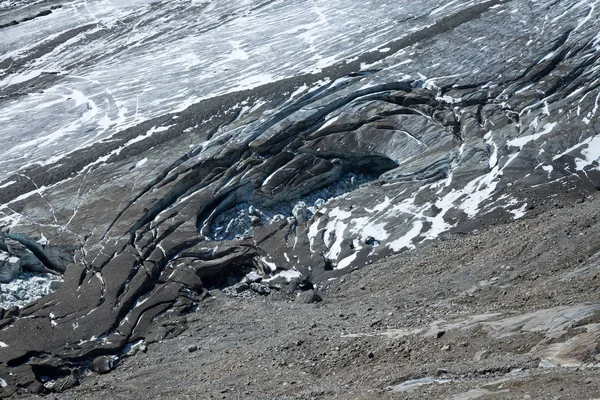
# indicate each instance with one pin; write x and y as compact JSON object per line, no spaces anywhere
{"x":260,"y":288}
{"x":300,"y":211}
{"x":309,"y":296}
{"x":240,"y":287}
{"x":278,"y":218}
{"x":371,"y":241}
{"x":319,"y":203}
{"x":36,"y":388}
{"x":192,"y":349}
{"x":10,"y":267}
{"x":62,"y":384}
{"x":54,"y":285}
{"x":253,"y":277}
{"x":103,"y":364}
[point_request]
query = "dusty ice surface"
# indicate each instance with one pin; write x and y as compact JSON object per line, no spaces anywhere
{"x":27,"y":288}
{"x":131,"y":61}
{"x":4,"y":4}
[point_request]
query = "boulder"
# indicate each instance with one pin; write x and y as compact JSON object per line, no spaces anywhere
{"x":300,"y":211}
{"x":62,"y":384}
{"x":253,"y":277}
{"x":103,"y":364}
{"x":10,"y":267}
{"x":309,"y":296}
{"x":260,"y":288}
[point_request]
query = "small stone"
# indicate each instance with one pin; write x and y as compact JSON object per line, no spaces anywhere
{"x":36,"y":388}
{"x":309,"y":296}
{"x":319,"y":203}
{"x":240,"y":287}
{"x":371,"y":241}
{"x":278,"y":218}
{"x":103,"y":364}
{"x":260,"y":288}
{"x":192,"y":349}
{"x":371,"y":355}
{"x":305,"y":284}
{"x":446,"y":347}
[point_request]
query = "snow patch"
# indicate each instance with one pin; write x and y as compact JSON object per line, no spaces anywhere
{"x":380,"y":207}
{"x":589,"y":155}
{"x":288,"y":275}
{"x":522,"y":141}
{"x":346,"y":262}
{"x":148,"y":134}
{"x":270,"y":264}
{"x":407,"y":239}
{"x":409,"y":386}
{"x":7,"y":184}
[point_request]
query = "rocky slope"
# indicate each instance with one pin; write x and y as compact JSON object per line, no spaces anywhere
{"x":509,"y":312}
{"x":158,"y":151}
